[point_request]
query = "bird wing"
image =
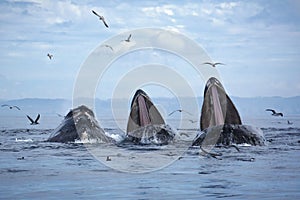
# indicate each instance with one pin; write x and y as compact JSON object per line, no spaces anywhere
{"x":208,"y":63}
{"x":59,"y":115}
{"x":105,"y":23}
{"x":30,"y":119}
{"x":273,"y":111}
{"x":4,"y":105}
{"x":173,"y":112}
{"x":129,"y":37}
{"x":17,"y":107}
{"x":96,"y":13}
{"x":187,"y":112}
{"x":37,"y":118}
{"x":111,"y":48}
{"x":108,"y":46}
{"x":218,"y":63}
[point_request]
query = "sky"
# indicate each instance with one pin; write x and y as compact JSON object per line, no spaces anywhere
{"x":258,"y":41}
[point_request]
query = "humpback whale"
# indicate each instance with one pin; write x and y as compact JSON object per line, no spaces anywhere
{"x":79,"y":124}
{"x":220,"y":122}
{"x":145,"y":123}
{"x":217,"y":107}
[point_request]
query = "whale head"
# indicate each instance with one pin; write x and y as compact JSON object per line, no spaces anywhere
{"x":145,"y":124}
{"x":79,"y":124}
{"x":220,"y":122}
{"x":143,"y":112}
{"x":217,"y":108}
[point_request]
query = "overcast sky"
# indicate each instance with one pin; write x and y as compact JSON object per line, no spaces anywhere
{"x":259,"y":41}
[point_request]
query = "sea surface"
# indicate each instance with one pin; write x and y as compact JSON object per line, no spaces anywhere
{"x":31,"y":168}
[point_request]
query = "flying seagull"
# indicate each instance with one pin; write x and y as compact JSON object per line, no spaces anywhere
{"x":50,"y":56}
{"x":179,"y":110}
{"x":192,"y":121}
{"x":274,"y":113}
{"x":60,"y":115}
{"x":10,"y":107}
{"x":100,"y":18}
{"x":108,"y":46}
{"x":34,"y":122}
{"x":213,"y":64}
{"x":128,"y":39}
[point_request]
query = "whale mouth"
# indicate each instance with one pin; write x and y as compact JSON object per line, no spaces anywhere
{"x":144,"y":117}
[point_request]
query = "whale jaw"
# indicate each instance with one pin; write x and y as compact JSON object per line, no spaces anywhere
{"x":217,"y":107}
{"x":145,"y":124}
{"x":143,"y":112}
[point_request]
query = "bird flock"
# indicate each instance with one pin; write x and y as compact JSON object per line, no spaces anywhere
{"x":128,"y":39}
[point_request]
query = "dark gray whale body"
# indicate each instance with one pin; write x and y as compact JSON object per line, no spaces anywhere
{"x":220,"y":122}
{"x":79,"y":124}
{"x":228,"y":134}
{"x":145,"y":124}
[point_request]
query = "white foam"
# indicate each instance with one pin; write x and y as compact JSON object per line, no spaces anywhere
{"x":86,"y":141}
{"x":244,"y":145}
{"x":24,"y":140}
{"x":116,"y":137}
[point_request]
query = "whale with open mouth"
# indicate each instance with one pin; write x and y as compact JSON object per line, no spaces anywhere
{"x":145,"y":124}
{"x":220,"y":122}
{"x":79,"y":125}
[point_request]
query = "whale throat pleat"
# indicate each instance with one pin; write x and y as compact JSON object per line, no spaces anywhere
{"x":219,"y":117}
{"x":143,"y":112}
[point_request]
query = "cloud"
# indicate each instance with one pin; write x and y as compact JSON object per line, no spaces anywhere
{"x":240,"y":33}
{"x":154,"y":11}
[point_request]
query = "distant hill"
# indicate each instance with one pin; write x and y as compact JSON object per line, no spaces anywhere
{"x":246,"y":106}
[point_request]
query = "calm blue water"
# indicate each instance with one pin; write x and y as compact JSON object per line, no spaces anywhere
{"x":33,"y":169}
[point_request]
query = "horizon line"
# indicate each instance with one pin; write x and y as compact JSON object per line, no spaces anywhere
{"x":154,"y":97}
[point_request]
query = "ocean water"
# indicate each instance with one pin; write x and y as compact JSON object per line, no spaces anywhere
{"x":33,"y":169}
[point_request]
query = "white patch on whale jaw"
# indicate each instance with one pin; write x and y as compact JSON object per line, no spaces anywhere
{"x":84,"y":136}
